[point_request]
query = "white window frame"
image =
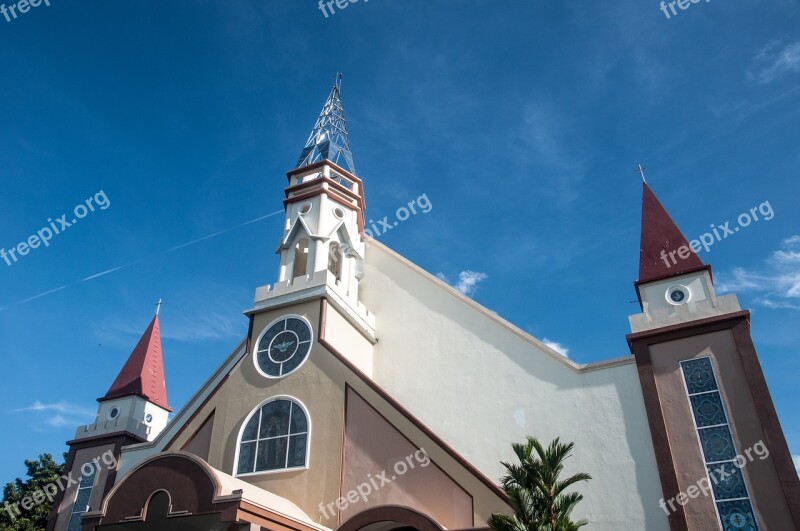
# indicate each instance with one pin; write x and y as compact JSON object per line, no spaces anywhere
{"x":247,"y":419}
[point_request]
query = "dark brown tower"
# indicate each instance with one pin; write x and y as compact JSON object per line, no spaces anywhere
{"x":723,"y":460}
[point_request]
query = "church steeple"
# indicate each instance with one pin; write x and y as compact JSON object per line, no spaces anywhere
{"x":136,"y":402}
{"x":329,"y":139}
{"x":663,"y":250}
{"x":322,"y":250}
{"x":143,"y":373}
{"x":674,"y":285}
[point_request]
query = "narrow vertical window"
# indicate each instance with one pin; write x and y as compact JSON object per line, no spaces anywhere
{"x":300,"y":258}
{"x":335,"y":258}
{"x":82,"y":498}
{"x":728,"y":487}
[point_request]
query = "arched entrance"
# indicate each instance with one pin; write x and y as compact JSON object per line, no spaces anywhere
{"x":390,"y":518}
{"x":178,"y":491}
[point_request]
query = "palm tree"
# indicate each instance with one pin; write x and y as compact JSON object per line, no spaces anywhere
{"x":538,"y":498}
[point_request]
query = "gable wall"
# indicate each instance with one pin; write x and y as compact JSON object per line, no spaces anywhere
{"x":481,"y":385}
{"x":315,"y":384}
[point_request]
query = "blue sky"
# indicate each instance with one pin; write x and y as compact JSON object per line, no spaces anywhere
{"x":522,"y":121}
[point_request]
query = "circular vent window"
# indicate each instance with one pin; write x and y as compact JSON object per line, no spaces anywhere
{"x":677,"y":295}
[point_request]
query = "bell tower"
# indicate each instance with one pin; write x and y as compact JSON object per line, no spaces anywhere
{"x":134,"y":410}
{"x":722,"y":457}
{"x":321,"y":250}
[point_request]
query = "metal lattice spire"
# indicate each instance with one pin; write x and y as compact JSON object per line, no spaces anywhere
{"x":329,"y":139}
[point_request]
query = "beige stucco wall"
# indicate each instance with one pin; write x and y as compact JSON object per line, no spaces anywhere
{"x":346,"y":338}
{"x":482,"y":384}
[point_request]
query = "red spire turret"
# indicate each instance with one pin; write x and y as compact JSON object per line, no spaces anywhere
{"x":143,"y":373}
{"x":663,"y":248}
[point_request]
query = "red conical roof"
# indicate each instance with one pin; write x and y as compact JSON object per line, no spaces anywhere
{"x":143,"y":373}
{"x":661,"y":236}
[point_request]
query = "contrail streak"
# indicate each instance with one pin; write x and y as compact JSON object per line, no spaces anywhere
{"x":162,"y":253}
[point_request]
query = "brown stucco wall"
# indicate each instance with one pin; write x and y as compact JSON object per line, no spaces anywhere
{"x":200,"y":443}
{"x":82,"y":456}
{"x":763,"y":482}
{"x":374,"y":447}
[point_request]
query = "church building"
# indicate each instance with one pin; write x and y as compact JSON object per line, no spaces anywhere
{"x":369,"y":395}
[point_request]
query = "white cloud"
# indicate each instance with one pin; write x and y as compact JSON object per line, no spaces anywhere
{"x":558,"y":347}
{"x":45,"y":417}
{"x":58,"y":407}
{"x":774,"y":60}
{"x":778,"y":282}
{"x":57,"y":421}
{"x":796,"y":459}
{"x":467,"y":281}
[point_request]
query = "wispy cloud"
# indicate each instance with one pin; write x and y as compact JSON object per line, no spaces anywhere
{"x":59,"y":407}
{"x":778,"y":282}
{"x":558,"y":347}
{"x":773,"y":61}
{"x":796,"y":459}
{"x":547,"y":133}
{"x":214,"y":315}
{"x":467,"y":281}
{"x":208,"y":326}
{"x":45,"y":417}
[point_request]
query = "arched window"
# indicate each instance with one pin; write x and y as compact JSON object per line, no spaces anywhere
{"x":275,"y":437}
{"x":335,"y":258}
{"x":300,"y":258}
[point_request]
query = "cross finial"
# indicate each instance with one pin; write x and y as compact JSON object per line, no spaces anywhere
{"x":158,"y":306}
{"x":641,"y":169}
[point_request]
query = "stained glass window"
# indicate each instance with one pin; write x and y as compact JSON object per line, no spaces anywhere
{"x":274,"y":438}
{"x":719,"y":451}
{"x":82,"y":497}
